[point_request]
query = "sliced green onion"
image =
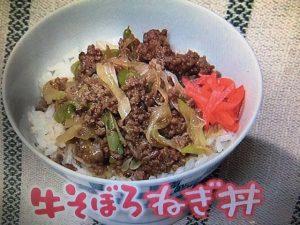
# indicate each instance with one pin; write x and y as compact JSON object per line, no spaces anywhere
{"x":64,"y":112}
{"x":125,"y":74}
{"x":114,"y":137}
{"x":75,"y":67}
{"x":127,"y":33}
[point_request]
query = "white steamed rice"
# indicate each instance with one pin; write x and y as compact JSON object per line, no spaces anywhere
{"x":46,"y":129}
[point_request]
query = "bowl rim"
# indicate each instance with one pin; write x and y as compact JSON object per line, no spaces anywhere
{"x":173,"y":177}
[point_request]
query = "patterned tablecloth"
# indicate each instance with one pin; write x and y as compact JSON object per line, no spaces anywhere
{"x":269,"y":154}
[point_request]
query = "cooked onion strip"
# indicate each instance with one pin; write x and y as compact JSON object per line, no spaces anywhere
{"x":175,"y":81}
{"x":159,"y":119}
{"x":68,"y":135}
{"x":107,"y":75}
{"x":51,"y":94}
{"x":122,"y":62}
{"x":194,"y":128}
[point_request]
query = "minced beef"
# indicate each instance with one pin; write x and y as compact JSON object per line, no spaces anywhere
{"x":176,"y":126}
{"x":156,"y":46}
{"x":160,"y":160}
{"x":59,"y":83}
{"x":88,"y":62}
{"x":135,"y":126}
{"x":188,"y":64}
{"x":89,"y":92}
{"x":128,"y":47}
{"x":70,"y":167}
{"x":136,"y":122}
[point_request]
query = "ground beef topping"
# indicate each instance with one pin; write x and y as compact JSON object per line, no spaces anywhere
{"x":93,"y":99}
{"x":188,"y":64}
{"x":88,"y":62}
{"x":156,"y":46}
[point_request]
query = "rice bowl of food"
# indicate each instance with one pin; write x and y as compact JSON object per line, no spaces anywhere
{"x":132,"y":100}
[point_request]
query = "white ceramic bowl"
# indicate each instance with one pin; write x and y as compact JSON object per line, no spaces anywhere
{"x":82,"y":23}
